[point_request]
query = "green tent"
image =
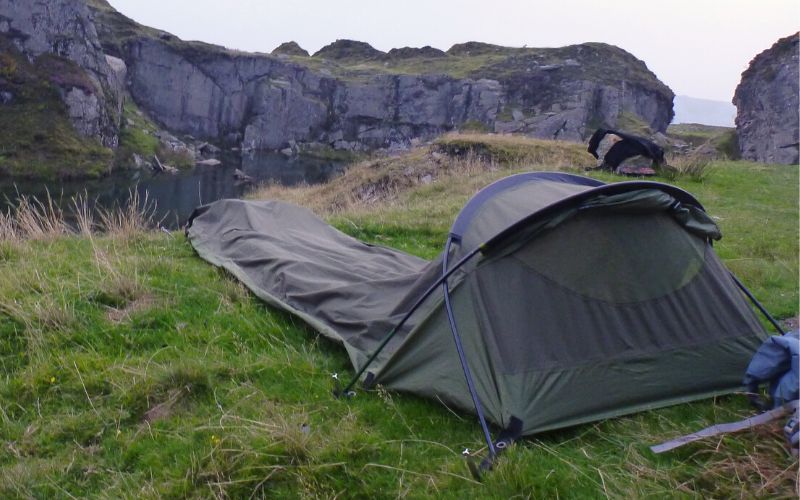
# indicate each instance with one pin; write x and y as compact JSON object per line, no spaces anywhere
{"x":566,"y":300}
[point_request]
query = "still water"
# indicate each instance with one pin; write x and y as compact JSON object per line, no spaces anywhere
{"x":176,"y":196}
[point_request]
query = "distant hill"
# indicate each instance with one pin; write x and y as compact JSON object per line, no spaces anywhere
{"x":704,"y":111}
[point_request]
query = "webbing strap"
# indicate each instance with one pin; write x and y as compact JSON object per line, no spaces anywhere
{"x":715,"y":430}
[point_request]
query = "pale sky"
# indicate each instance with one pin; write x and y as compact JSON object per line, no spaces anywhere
{"x":697,"y":47}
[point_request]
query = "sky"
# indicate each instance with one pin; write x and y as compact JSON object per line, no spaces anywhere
{"x":698,"y":48}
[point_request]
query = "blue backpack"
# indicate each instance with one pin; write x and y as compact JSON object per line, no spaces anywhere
{"x":774,"y":363}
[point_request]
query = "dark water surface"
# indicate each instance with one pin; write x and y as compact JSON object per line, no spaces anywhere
{"x":176,"y":196}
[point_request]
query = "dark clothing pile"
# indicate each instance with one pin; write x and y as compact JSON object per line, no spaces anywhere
{"x":628,"y":147}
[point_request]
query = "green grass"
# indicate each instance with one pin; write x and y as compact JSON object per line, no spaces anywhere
{"x":723,"y":139}
{"x":131,"y":368}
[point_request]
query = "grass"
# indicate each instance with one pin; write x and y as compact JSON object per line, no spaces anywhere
{"x":723,"y":140}
{"x":137,"y":135}
{"x":131,"y":368}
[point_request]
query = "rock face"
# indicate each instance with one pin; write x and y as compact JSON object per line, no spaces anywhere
{"x":349,"y":95}
{"x":64,"y":30}
{"x":767,"y":105}
{"x":267,"y":102}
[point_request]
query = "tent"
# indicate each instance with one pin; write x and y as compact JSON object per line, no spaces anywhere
{"x":558,"y":300}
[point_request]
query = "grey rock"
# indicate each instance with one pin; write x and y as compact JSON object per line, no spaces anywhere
{"x":241,"y":176}
{"x":162,"y":167}
{"x":208,"y":149}
{"x":257,"y":101}
{"x":84,"y":110}
{"x":6,"y":97}
{"x":211,"y":162}
{"x":289,"y":49}
{"x":660,"y":139}
{"x":65,"y":28}
{"x":767,"y":101}
{"x":138,"y":161}
{"x":119,"y":70}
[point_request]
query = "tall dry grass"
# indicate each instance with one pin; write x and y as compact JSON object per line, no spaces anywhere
{"x":40,"y":219}
{"x":35,"y":297}
{"x":133,"y":217}
{"x":452,"y":159}
{"x":693,"y":166}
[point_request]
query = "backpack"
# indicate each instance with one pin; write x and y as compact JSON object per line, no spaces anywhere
{"x":774,"y":363}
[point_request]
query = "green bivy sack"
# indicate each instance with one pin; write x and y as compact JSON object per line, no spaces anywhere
{"x":583,"y":300}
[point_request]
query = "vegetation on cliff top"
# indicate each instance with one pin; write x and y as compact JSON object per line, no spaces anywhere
{"x":130,"y":367}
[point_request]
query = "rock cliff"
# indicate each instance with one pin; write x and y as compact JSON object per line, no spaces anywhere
{"x":352,"y":96}
{"x":348,"y":95}
{"x":767,"y":105}
{"x":62,"y":30}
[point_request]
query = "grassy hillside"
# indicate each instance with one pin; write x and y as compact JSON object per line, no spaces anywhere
{"x":131,"y":368}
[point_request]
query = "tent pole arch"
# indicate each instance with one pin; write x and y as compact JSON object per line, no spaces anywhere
{"x":460,"y":348}
{"x":434,"y":286}
{"x":757,"y":304}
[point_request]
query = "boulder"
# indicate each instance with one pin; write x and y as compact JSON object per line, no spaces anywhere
{"x":210,"y":162}
{"x":242,"y":177}
{"x":208,"y":149}
{"x":162,"y":167}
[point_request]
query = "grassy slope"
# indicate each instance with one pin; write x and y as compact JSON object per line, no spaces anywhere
{"x":132,"y":368}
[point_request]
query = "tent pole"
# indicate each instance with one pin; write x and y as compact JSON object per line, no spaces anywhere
{"x":459,"y":347}
{"x":757,"y":304}
{"x":405,"y":318}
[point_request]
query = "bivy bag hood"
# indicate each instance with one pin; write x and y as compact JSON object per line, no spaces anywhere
{"x":575,"y":300}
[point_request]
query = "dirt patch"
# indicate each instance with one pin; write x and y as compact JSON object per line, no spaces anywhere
{"x":791,"y":324}
{"x":165,"y":408}
{"x":118,"y":315}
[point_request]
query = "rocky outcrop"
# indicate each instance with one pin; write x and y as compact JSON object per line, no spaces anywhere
{"x":63,"y":30}
{"x":267,"y":102}
{"x":350,"y":50}
{"x":290,"y":49}
{"x":349,"y":95}
{"x":767,"y":105}
{"x":414,"y":52}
